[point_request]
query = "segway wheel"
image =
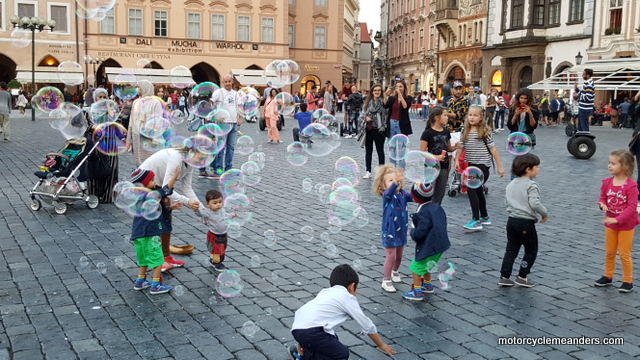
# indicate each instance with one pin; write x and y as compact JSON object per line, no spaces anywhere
{"x":570,"y":130}
{"x":279,"y":124}
{"x":452,"y":193}
{"x":262,"y":124}
{"x":583,"y":147}
{"x":569,"y":144}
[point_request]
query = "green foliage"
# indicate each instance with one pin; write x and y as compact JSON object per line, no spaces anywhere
{"x":14,"y":84}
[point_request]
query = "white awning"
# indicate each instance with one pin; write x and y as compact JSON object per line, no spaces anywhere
{"x":50,"y":75}
{"x":613,"y":74}
{"x":253,"y":77}
{"x":155,"y":76}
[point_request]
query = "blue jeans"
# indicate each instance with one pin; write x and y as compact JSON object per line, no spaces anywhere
{"x":226,"y":153}
{"x":395,"y":130}
{"x":583,"y":119}
{"x":425,"y":111}
{"x":352,"y":129}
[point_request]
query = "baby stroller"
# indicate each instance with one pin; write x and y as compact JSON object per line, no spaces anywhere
{"x":456,"y":186}
{"x":58,"y":183}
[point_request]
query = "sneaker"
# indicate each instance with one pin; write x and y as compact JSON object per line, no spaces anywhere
{"x":387,"y":285}
{"x":395,"y":277}
{"x":166,"y":267}
{"x":524,"y":282}
{"x":603,"y":281}
{"x":176,"y":263}
{"x":157,"y":287}
{"x":367,"y":175}
{"x":218,"y":267}
{"x":279,"y":141}
{"x":293,"y":352}
{"x":473,"y":225}
{"x":219,"y":171}
{"x":348,"y":136}
{"x":485,"y":221}
{"x":141,"y":284}
{"x":203,"y":175}
{"x":239,"y":133}
{"x":413,"y":294}
{"x":427,"y":288}
{"x":626,"y":287}
{"x":506,"y":282}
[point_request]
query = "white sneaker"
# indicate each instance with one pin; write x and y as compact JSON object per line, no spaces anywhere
{"x":387,"y":286}
{"x":395,"y":277}
{"x":346,"y":136}
{"x":366,"y":175}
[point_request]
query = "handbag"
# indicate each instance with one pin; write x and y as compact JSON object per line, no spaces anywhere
{"x":98,"y":166}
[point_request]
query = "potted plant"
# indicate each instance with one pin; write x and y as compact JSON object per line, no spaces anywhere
{"x":617,"y":30}
{"x":608,"y":31}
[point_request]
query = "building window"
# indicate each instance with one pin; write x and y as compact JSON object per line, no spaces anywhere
{"x":267,"y":35}
{"x":517,"y":13}
{"x":290,"y":34}
{"x":615,"y":14}
{"x":321,"y":2}
{"x":26,"y":10}
{"x":554,"y":12}
{"x":160,"y":23}
{"x":193,"y":26}
{"x":244,"y":28}
{"x":135,"y":22}
{"x":576,"y":10}
{"x":292,"y":2}
{"x":58,"y":13}
{"x":108,"y":24}
{"x":217,"y":27}
{"x":538,"y":12}
{"x":503,"y":21}
{"x":319,"y":37}
{"x":1,"y":15}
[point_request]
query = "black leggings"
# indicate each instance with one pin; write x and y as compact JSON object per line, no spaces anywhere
{"x":520,"y":233}
{"x":370,"y":137}
{"x":476,"y":196}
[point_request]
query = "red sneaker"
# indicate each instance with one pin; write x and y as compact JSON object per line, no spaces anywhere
{"x":463,"y":190}
{"x":176,"y":263}
{"x":166,"y":266}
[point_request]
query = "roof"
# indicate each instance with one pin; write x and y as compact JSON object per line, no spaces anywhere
{"x":364,"y":33}
{"x":613,"y":74}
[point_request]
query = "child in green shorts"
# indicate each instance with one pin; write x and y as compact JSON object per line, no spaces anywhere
{"x":430,"y":235}
{"x":145,"y":232}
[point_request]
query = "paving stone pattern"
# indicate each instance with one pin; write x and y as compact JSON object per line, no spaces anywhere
{"x":55,"y":306}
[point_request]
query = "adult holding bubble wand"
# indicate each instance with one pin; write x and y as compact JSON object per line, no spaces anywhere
{"x":164,"y":164}
{"x":144,"y":108}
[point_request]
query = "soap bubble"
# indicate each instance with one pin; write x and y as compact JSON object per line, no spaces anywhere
{"x":232,"y":182}
{"x":252,"y":173}
{"x":248,"y":102}
{"x":432,"y":267}
{"x":268,"y":311}
{"x":259,"y":158}
{"x":307,"y":185}
{"x":213,"y":132}
{"x":320,"y":141}
{"x":270,"y":237}
{"x":143,"y":67}
{"x":222,"y":118}
{"x":346,"y":167}
{"x":213,"y":300}
{"x":154,"y":128}
{"x":325,"y":239}
{"x":199,"y":100}
{"x":178,"y":290}
{"x":74,"y":128}
{"x":472,"y":177}
{"x":235,"y":230}
{"x":125,"y":86}
{"x":118,"y":262}
{"x":110,"y":138}
{"x":288,"y":72}
{"x":342,"y":212}
{"x":317,"y":114}
{"x":237,"y":207}
{"x":58,"y":118}
{"x":228,"y":284}
{"x":249,"y":329}
{"x":20,"y":37}
{"x":244,"y":145}
{"x":255,"y":261}
{"x":84,"y":261}
{"x":285,"y":104}
{"x":421,"y":167}
{"x":362,"y":218}
{"x":101,"y":267}
{"x":104,"y":111}
{"x":48,"y":99}
{"x":334,"y":229}
{"x":307,"y":233}
{"x":180,"y":77}
{"x":177,"y":141}
{"x":332,"y":251}
{"x":519,"y":143}
{"x":177,"y":116}
{"x":296,"y":154}
{"x":70,"y":67}
{"x":398,"y":146}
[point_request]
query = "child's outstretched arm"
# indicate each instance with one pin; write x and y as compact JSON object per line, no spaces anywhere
{"x":381,"y":344}
{"x":496,"y":156}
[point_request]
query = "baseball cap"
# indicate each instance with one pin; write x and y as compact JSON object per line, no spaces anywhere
{"x":457,"y":83}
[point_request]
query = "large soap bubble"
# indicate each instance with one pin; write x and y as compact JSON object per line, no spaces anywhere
{"x":180,"y":77}
{"x":74,"y":128}
{"x":104,"y":111}
{"x":398,"y":146}
{"x":232,"y":182}
{"x":296,"y":154}
{"x":228,"y":284}
{"x":48,"y":99}
{"x":519,"y":143}
{"x":199,"y":101}
{"x":347,"y":168}
{"x":244,"y":145}
{"x":285,"y":104}
{"x":252,"y":173}
{"x":238,"y":208}
{"x":320,"y":142}
{"x":248,"y":101}
{"x":421,"y":167}
{"x":472,"y":177}
{"x":125,"y":86}
{"x":110,"y":138}
{"x":70,"y":67}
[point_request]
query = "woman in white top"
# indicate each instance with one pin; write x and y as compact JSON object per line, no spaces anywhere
{"x":425,"y":105}
{"x":144,"y":108}
{"x":22,"y":102}
{"x":328,"y":99}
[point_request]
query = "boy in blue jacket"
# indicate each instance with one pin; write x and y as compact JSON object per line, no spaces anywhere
{"x":430,"y":235}
{"x":145,"y":233}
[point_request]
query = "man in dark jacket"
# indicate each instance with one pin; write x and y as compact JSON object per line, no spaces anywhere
{"x":354,"y":106}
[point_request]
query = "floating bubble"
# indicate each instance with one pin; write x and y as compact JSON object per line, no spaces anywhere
{"x":177,"y":116}
{"x":307,"y":233}
{"x":228,"y":284}
{"x":248,"y":102}
{"x":432,"y":267}
{"x":519,"y":143}
{"x":270,"y":238}
{"x":153,"y":145}
{"x":317,"y":114}
{"x":235,"y":230}
{"x":125,"y":86}
{"x":320,"y":142}
{"x":99,"y":16}
{"x":213,"y":132}
{"x":342,"y":212}
{"x":398,"y":146}
{"x":199,"y":100}
{"x":421,"y":167}
{"x":268,"y":311}
{"x":91,"y":79}
{"x":325,"y":239}
{"x":180,"y":77}
{"x":472,"y":177}
{"x":232,"y":182}
{"x":70,"y":67}
{"x":178,"y":290}
{"x":362,"y":218}
{"x":213,"y":300}
{"x":238,"y":208}
{"x":102,"y":268}
{"x":339,"y":182}
{"x":255,"y":261}
{"x":244,"y":145}
{"x":74,"y":128}
{"x":324,"y":192}
{"x":104,"y":111}
{"x":20,"y":37}
{"x":48,"y":99}
{"x":285,"y":104}
{"x":273,"y":80}
{"x":296,"y":154}
{"x":118,"y":262}
{"x":347,"y":168}
{"x":307,"y":185}
{"x":222,"y":118}
{"x":287,"y":72}
{"x":259,"y":158}
{"x":154,"y":128}
{"x":356,"y":264}
{"x":58,"y":118}
{"x":249,"y":329}
{"x":84,"y":261}
{"x":110,"y":138}
{"x":177,"y":141}
{"x":252,"y":173}
{"x":274,"y":275}
{"x":143,"y":67}
{"x":334,"y":229}
{"x":332,"y":251}
{"x":122,"y":185}
{"x":133,"y":199}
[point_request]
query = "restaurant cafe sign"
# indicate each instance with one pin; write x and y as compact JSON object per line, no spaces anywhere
{"x":191,"y":46}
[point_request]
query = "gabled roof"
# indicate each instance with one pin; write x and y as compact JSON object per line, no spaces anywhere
{"x":364,"y":33}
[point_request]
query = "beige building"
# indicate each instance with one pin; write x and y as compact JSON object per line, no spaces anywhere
{"x":363,"y":57}
{"x":349,"y":40}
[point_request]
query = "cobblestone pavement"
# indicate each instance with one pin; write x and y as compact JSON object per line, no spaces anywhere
{"x":55,"y":306}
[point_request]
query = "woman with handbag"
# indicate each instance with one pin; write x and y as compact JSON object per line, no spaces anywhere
{"x":144,"y":108}
{"x":398,"y":102}
{"x":373,"y":124}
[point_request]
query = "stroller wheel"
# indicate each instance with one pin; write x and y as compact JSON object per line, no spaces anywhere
{"x":59,"y":207}
{"x":486,"y":190}
{"x":92,"y":201}
{"x":452,"y":193}
{"x":35,"y":204}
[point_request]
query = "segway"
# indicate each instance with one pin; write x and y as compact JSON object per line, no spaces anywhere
{"x":570,"y":130}
{"x":582,"y":145}
{"x":262,"y":123}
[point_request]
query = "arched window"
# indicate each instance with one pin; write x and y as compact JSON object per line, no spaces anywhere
{"x":457,"y":73}
{"x":526,"y":77}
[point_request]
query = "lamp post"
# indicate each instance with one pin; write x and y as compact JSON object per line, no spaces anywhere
{"x":579,"y":58}
{"x":93,"y":61}
{"x":34,"y":24}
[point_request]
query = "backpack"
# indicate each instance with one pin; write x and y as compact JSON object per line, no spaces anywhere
{"x":320,"y":102}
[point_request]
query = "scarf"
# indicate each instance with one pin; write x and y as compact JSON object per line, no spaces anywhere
{"x":377,"y":113}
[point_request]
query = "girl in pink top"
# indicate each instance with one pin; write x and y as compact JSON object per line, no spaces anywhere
{"x":618,"y":199}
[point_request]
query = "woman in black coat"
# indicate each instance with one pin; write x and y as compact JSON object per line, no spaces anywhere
{"x":524,"y":116}
{"x":398,"y":102}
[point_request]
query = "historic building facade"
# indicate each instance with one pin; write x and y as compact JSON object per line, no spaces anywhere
{"x":364,"y":57}
{"x":616,"y":32}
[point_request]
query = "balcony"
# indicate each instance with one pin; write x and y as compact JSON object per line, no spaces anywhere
{"x":446,"y":9}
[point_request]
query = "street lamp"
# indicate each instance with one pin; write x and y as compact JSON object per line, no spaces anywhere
{"x":578,"y":58}
{"x":94,"y":61}
{"x":34,"y":24}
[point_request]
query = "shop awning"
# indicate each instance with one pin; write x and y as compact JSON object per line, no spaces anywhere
{"x":155,"y":76}
{"x":253,"y":77}
{"x":613,"y":74}
{"x":50,"y":75}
